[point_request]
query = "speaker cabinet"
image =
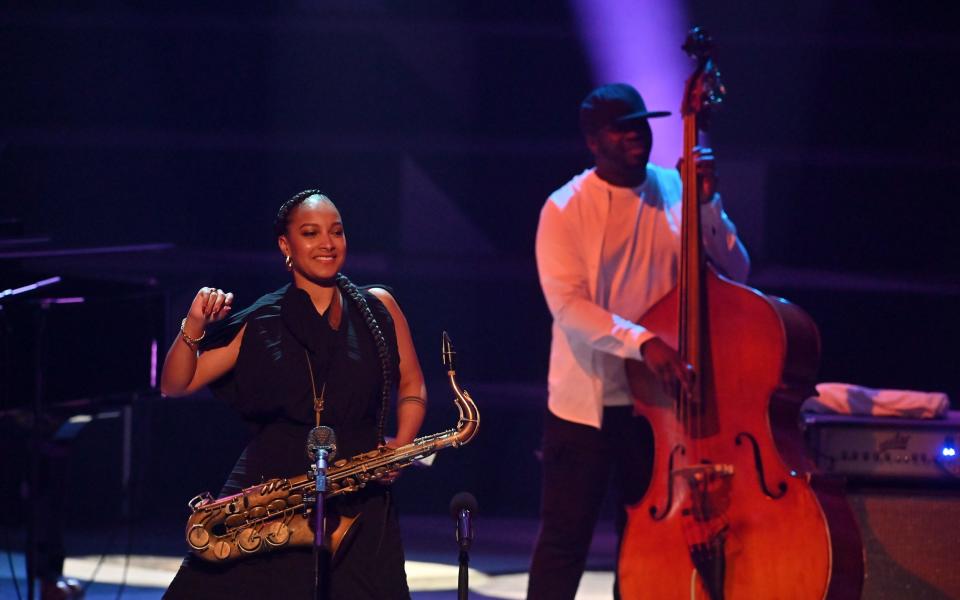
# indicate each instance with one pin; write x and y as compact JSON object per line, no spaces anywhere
{"x":911,"y":538}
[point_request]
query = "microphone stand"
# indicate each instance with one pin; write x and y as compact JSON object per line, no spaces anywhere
{"x":463,"y":584}
{"x":462,"y":508}
{"x":321,"y":444}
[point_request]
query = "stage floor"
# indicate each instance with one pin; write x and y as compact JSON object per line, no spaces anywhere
{"x":499,"y":561}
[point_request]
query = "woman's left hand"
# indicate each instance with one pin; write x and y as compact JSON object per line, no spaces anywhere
{"x":392,"y":476}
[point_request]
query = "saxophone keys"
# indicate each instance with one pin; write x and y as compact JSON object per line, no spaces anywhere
{"x":277,"y":505}
{"x":199,"y":500}
{"x":198,"y":537}
{"x":257,"y":512}
{"x":278,"y":533}
{"x":295,"y":500}
{"x":235,"y":520}
{"x":221,"y":550}
{"x":249,"y":540}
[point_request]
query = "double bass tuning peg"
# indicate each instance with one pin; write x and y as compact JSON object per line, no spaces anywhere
{"x":699,"y":44}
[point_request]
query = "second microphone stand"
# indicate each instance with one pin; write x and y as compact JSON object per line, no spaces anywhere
{"x":462,"y":508}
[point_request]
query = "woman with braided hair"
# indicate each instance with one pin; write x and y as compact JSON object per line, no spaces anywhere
{"x":319,"y":349}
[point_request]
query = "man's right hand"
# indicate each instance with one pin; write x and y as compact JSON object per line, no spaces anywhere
{"x":665,"y":363}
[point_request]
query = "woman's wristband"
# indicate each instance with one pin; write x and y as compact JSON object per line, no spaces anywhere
{"x":416,"y":399}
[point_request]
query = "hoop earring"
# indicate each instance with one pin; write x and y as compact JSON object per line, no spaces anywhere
{"x":288,"y":261}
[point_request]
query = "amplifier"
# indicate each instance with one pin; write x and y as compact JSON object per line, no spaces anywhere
{"x":885,"y":447}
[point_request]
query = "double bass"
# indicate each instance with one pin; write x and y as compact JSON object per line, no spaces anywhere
{"x":725,"y":517}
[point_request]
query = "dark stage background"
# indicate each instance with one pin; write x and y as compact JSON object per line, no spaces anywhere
{"x":439,"y":127}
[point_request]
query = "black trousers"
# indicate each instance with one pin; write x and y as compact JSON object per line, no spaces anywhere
{"x":578,"y":462}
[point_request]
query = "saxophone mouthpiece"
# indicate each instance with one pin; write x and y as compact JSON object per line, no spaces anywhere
{"x":448,"y":354}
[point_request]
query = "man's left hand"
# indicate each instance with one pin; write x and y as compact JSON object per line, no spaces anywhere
{"x":706,"y":172}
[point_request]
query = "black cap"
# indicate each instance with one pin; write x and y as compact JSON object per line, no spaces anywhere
{"x":613,"y":104}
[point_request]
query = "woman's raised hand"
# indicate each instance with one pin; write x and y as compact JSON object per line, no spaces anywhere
{"x":209,"y":305}
{"x":185,"y":370}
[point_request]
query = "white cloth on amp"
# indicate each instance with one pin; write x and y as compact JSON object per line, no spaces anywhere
{"x":851,"y":399}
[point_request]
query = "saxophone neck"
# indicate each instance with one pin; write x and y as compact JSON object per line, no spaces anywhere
{"x":469,"y":420}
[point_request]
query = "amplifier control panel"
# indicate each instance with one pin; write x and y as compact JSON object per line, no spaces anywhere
{"x":885,"y":447}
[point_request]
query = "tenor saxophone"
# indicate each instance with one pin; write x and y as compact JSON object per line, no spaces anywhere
{"x":276,"y":513}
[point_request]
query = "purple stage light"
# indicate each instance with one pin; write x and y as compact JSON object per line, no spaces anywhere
{"x":64,"y":300}
{"x":153,"y":363}
{"x":638,"y":42}
{"x":29,"y":288}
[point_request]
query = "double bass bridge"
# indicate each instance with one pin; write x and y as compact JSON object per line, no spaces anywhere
{"x":705,"y":526}
{"x":708,"y":487}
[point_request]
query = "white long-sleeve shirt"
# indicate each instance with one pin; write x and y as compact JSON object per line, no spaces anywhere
{"x":606,"y":254}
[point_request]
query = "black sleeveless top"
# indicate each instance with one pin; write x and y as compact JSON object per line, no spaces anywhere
{"x":270,"y":384}
{"x":270,"y":387}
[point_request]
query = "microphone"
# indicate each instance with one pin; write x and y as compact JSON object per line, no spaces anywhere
{"x":462,"y":508}
{"x":321,"y":438}
{"x":321,"y":446}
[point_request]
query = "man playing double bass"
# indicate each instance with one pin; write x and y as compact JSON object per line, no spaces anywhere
{"x":608,"y":247}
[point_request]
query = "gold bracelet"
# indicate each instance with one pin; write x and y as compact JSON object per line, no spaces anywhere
{"x":189,"y":340}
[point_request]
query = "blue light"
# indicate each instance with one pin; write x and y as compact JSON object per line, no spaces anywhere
{"x":949,"y":451}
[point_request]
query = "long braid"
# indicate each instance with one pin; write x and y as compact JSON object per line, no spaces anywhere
{"x":383,"y":351}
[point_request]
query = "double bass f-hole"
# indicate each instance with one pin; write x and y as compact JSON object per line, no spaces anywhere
{"x":758,"y":465}
{"x":655,"y":513}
